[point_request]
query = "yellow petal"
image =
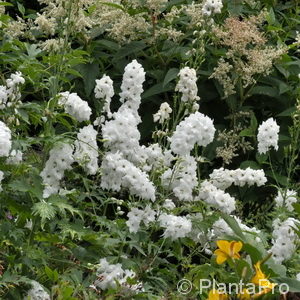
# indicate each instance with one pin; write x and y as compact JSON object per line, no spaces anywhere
{"x":236,"y":246}
{"x":221,"y":256}
{"x":224,"y":246}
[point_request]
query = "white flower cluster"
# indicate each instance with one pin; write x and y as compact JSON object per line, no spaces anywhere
{"x":121,"y":134}
{"x":163,"y":114}
{"x":182,"y":179}
{"x":298,"y":276}
{"x":75,"y":106}
{"x":212,"y":7}
{"x":15,"y":157}
{"x":224,"y":178}
{"x":86,"y":149}
{"x":169,"y":204}
{"x":132,"y":86}
{"x":110,"y":274}
{"x":216,"y":197}
{"x":284,"y":239}
{"x":221,"y":228}
{"x":175,"y":227}
{"x":152,"y":157}
{"x":37,"y":292}
{"x":5,"y":140}
{"x":118,"y":172}
{"x":196,"y":128}
{"x":267,"y":136}
{"x":60,"y":159}
{"x":286,"y":199}
{"x":104,"y":90}
{"x":136,"y":216}
{"x":1,"y":178}
{"x":187,"y":85}
{"x":10,"y":94}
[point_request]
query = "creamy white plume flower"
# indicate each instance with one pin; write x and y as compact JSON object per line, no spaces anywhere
{"x":75,"y":106}
{"x":86,"y":149}
{"x":182,"y":179}
{"x":136,"y":216}
{"x":118,"y":172}
{"x":60,"y":160}
{"x":286,"y":199}
{"x":110,"y":274}
{"x":224,"y":178}
{"x":284,"y":239}
{"x":175,"y":227}
{"x":194,"y":129}
{"x":5,"y":140}
{"x":212,"y":7}
{"x":104,"y":90}
{"x":163,"y":114}
{"x":187,"y":84}
{"x":37,"y":292}
{"x":267,"y":136}
{"x":216,"y":197}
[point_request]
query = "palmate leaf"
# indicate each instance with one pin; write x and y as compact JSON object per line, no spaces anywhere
{"x":46,"y":211}
{"x":63,"y":207}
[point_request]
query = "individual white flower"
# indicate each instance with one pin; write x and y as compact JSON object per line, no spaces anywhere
{"x":284,"y":239}
{"x":118,"y":172}
{"x":15,"y":157}
{"x":163,"y":114}
{"x":104,"y":90}
{"x":216,"y":197}
{"x":286,"y":199}
{"x":3,"y":96}
{"x":86,"y":149}
{"x":37,"y":292}
{"x":187,"y":84}
{"x":5,"y":140}
{"x":60,"y":160}
{"x":75,"y":106}
{"x":109,"y":274}
{"x":1,"y":178}
{"x":212,"y":7}
{"x":169,"y":204}
{"x":14,"y":80}
{"x":175,"y":227}
{"x":267,"y":135}
{"x":182,"y":179}
{"x":196,"y":128}
{"x":136,"y":216}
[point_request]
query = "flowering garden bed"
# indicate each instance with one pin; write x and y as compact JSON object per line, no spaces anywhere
{"x":149,"y":149}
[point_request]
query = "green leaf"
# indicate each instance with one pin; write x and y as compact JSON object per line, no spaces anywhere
{"x":44,"y":210}
{"x":114,"y":5}
{"x":171,"y":74}
{"x":21,"y":8}
{"x":133,"y":47}
{"x":294,"y":285}
{"x":233,"y":224}
{"x":249,"y":164}
{"x":265,"y":90}
{"x":287,"y":113}
{"x":52,"y":274}
{"x":156,"y":89}
{"x":89,"y":72}
{"x":6,"y":3}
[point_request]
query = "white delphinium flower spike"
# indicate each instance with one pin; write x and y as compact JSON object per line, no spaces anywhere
{"x":104,"y":90}
{"x":267,"y":136}
{"x":75,"y":106}
{"x":60,"y":159}
{"x":5,"y":140}
{"x":187,"y":85}
{"x":86,"y":149}
{"x":136,"y":216}
{"x":194,"y":129}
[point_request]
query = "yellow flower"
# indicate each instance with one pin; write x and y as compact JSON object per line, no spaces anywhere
{"x":227,"y":250}
{"x":261,"y":280}
{"x":215,"y":295}
{"x":244,"y":295}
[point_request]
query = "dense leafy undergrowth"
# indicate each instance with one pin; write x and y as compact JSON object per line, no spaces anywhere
{"x":149,"y":149}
